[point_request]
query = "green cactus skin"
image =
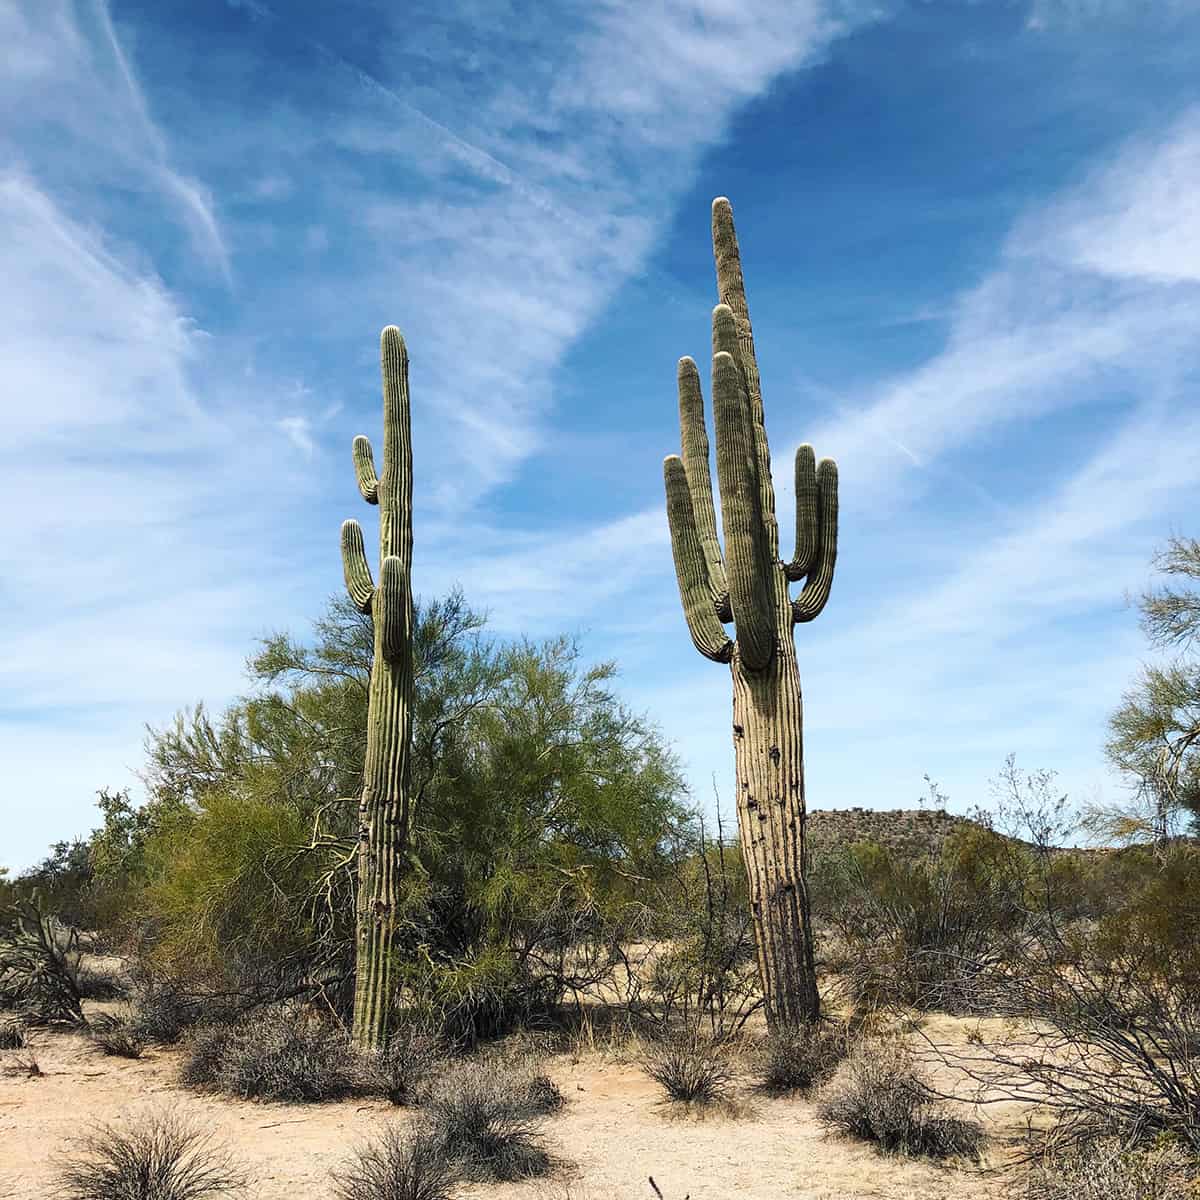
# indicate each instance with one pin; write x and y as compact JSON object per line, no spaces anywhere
{"x":383,"y":807}
{"x":748,"y":585}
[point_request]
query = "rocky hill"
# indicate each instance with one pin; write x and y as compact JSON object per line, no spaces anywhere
{"x":908,"y":831}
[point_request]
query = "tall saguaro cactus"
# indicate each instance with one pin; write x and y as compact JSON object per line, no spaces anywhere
{"x":383,"y":807}
{"x":747,"y":584}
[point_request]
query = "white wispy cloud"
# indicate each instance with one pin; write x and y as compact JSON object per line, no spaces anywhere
{"x":67,"y":72}
{"x":1012,"y":636}
{"x":159,"y":466}
{"x":531,"y":196}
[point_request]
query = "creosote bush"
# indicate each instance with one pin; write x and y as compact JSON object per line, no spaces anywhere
{"x":163,"y":1009}
{"x":406,"y":1066}
{"x":480,"y":1118}
{"x":276,"y":1055}
{"x":877,"y":1095}
{"x":690,"y":1069}
{"x":1108,"y":1170}
{"x":98,"y":981}
{"x":116,"y":1037}
{"x":162,"y":1157}
{"x":397,"y":1165}
{"x":797,"y":1059}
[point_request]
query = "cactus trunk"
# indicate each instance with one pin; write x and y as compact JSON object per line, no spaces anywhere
{"x":382,"y":844}
{"x":769,"y":768}
{"x":745,"y":582}
{"x":383,"y":808}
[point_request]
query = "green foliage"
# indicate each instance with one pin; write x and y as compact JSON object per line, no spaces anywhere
{"x":703,"y":972}
{"x":1154,"y":735}
{"x":1154,"y":920}
{"x":910,"y":924}
{"x":39,"y":964}
{"x":62,"y":881}
{"x":226,"y":888}
{"x":542,"y":812}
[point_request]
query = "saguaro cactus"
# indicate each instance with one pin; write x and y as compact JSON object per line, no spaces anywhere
{"x":748,"y":585}
{"x":383,"y":807}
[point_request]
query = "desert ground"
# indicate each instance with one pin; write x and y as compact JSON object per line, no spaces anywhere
{"x":613,"y":1133}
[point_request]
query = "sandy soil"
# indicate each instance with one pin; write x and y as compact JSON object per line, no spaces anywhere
{"x":613,"y":1130}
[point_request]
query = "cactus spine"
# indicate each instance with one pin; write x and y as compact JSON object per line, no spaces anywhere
{"x":383,"y":807}
{"x":747,"y":584}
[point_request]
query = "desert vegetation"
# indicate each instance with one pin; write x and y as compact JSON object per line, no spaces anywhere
{"x":451,"y":882}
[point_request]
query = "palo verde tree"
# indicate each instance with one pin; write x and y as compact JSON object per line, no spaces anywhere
{"x":1154,"y":736}
{"x":383,"y":807}
{"x":747,"y":584}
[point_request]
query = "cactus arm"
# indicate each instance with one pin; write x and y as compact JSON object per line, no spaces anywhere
{"x":747,"y":558}
{"x":354,"y":566}
{"x":699,"y":480}
{"x":806,"y":513}
{"x":731,"y":289}
{"x":390,"y":606}
{"x":396,"y":484}
{"x":364,"y":470}
{"x":691,"y":568}
{"x":815,"y":592}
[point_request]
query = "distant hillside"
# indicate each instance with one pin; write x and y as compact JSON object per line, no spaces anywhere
{"x":911,"y":832}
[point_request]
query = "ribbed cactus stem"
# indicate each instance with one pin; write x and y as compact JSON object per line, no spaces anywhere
{"x":691,"y":567}
{"x":748,"y":584}
{"x":383,"y":810}
{"x":747,"y":556}
{"x":699,"y":481}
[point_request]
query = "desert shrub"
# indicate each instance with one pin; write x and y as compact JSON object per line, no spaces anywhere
{"x":480,"y":1119}
{"x":878,"y":1096}
{"x":475,"y":999}
{"x":276,"y":1055}
{"x":405,"y":1068}
{"x":99,"y":981}
{"x":542,"y":1095}
{"x":915,"y":925}
{"x":116,"y":1037}
{"x":398,"y":1165}
{"x":1098,"y":1037}
{"x":12,"y":1035}
{"x":39,"y":964}
{"x":798,"y":1058}
{"x":690,"y":1069}
{"x":1110,"y":1170}
{"x":204,"y":1055}
{"x":696,"y":955}
{"x":161,"y":1157}
{"x":163,"y":1007}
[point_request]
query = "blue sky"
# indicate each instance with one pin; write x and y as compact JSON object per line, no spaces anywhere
{"x":971,"y":237}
